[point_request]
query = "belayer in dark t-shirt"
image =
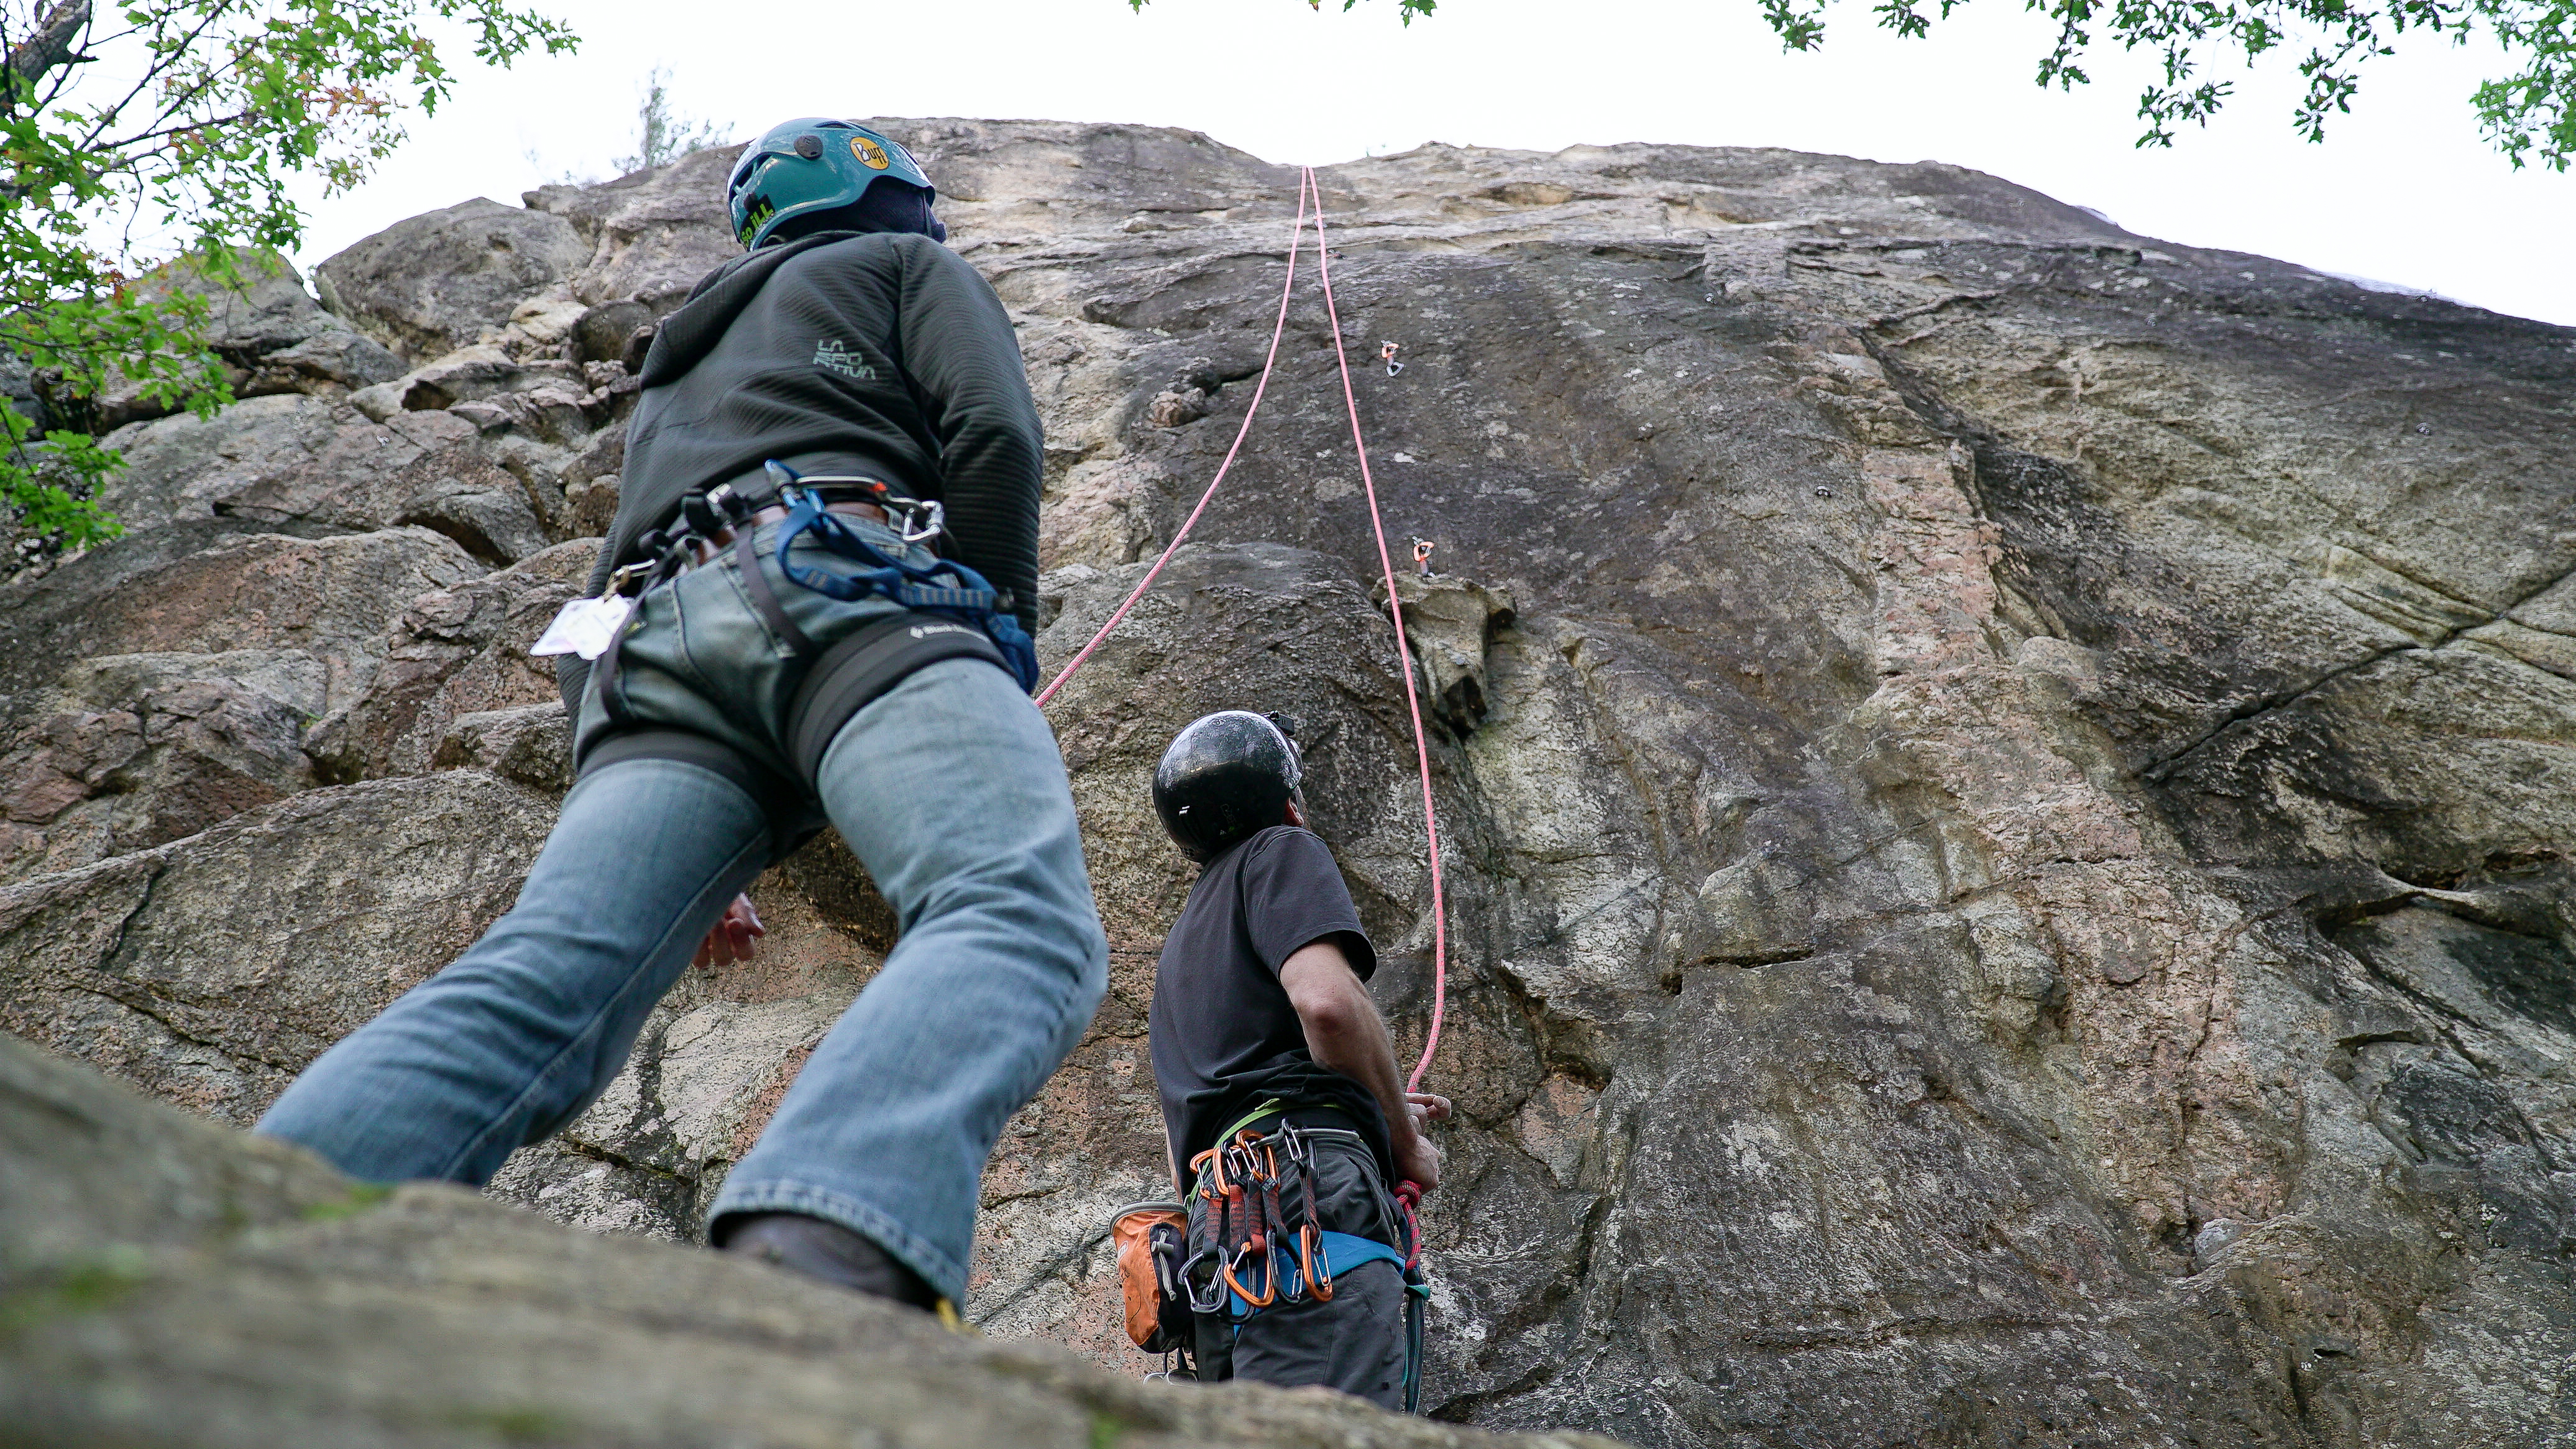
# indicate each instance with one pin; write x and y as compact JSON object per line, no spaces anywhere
{"x":1286,"y":1115}
{"x":809,"y":608}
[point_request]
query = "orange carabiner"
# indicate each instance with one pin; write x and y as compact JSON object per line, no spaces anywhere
{"x":1269,"y":1290}
{"x":1319,"y":1284}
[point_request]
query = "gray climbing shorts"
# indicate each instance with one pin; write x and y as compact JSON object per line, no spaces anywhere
{"x":1354,"y":1343}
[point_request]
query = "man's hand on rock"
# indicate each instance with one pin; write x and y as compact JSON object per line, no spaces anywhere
{"x":731,"y":940}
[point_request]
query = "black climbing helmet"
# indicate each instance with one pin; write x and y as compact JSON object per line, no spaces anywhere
{"x":1225,"y":776}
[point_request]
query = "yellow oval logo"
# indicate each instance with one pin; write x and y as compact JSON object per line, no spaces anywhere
{"x":870,"y":154}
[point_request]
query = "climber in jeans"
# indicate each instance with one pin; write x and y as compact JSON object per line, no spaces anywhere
{"x":796,"y":652}
{"x":1263,"y":1035}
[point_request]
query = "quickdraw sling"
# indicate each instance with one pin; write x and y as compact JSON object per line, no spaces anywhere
{"x":1256,"y":1242}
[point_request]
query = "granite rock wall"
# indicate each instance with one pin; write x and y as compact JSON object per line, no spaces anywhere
{"x":2004,"y":784}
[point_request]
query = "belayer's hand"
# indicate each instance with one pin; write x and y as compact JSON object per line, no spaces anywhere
{"x":731,"y":940}
{"x":1425,"y":1108}
{"x":1418,"y":1161}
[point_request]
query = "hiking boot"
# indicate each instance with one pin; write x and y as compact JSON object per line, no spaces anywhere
{"x":826,"y":1250}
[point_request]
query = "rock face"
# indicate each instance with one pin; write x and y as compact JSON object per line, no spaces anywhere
{"x":2005,"y":785}
{"x":437,"y":282}
{"x":267,"y":331}
{"x":156,"y":966}
{"x":174,"y":1283}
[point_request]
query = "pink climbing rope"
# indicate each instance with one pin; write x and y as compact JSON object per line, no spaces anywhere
{"x":1404,"y":653}
{"x":1277,"y":328}
{"x":1308,"y":186}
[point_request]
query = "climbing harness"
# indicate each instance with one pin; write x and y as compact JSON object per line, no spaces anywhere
{"x":711,"y":519}
{"x":948,"y":611}
{"x":964,"y":596}
{"x":1191,"y":1280}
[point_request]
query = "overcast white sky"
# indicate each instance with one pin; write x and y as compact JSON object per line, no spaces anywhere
{"x":2402,"y":190}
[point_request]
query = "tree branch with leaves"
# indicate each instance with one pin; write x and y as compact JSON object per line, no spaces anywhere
{"x":2530,"y":116}
{"x":180,"y":126}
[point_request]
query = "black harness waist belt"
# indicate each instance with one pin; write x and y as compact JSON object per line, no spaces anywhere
{"x":853,"y":672}
{"x":792,"y":815}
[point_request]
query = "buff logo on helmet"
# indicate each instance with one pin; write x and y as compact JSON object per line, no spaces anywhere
{"x":870,"y":154}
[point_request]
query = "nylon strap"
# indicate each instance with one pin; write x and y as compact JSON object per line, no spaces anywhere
{"x":1342,"y":1252}
{"x":764,"y":598}
{"x":611,"y":702}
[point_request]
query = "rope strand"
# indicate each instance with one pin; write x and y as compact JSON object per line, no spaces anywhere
{"x":1308,"y":186}
{"x":1403,"y":651}
{"x":1286,"y":289}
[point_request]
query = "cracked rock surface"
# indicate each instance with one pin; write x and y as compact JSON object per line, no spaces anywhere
{"x":2005,"y":784}
{"x":173,"y":1282}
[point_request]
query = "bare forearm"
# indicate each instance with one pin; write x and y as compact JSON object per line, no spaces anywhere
{"x":1345,"y":1032}
{"x":1360,"y":1047}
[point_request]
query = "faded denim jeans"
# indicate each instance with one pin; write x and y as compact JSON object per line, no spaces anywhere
{"x":948,"y":788}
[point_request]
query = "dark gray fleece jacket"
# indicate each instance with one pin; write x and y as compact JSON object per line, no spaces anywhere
{"x":882,"y":354}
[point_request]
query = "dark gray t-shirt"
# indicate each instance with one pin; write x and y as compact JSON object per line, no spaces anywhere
{"x":1222,"y":1028}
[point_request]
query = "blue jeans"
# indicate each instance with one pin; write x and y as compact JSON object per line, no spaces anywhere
{"x":949,"y":789}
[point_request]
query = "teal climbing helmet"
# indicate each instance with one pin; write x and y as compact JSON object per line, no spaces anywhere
{"x":811,"y":164}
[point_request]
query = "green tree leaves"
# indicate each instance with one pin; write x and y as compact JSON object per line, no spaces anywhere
{"x":662,"y":134}
{"x":179,"y":125}
{"x":2528,"y":116}
{"x":2535,"y":109}
{"x":1407,"y":9}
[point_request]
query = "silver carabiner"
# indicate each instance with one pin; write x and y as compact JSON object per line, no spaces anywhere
{"x":910,"y":530}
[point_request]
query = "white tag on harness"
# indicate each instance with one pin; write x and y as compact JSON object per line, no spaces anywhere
{"x":584,"y":627}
